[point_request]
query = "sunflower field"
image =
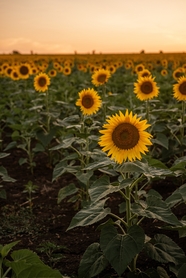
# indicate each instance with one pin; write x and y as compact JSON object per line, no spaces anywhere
{"x":93,"y":165}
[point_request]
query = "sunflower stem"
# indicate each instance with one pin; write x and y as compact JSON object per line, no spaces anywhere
{"x":147,"y":111}
{"x":47,"y":112}
{"x":182,"y":124}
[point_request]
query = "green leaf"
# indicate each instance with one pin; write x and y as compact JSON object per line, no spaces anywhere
{"x":157,"y":209}
{"x":4,"y":175}
{"x":65,"y":144}
{"x":6,"y":248}
{"x":182,"y":271}
{"x":84,"y":177}
{"x":93,"y":262}
{"x":66,"y":191}
{"x":11,"y":145}
{"x":120,"y":249}
{"x":89,"y":215}
{"x":45,"y":138}
{"x":164,"y":250}
{"x":101,"y":163}
{"x":2,"y":155}
{"x":179,"y":164}
{"x":62,"y":167}
{"x":162,"y":272}
{"x":23,"y":160}
{"x":143,"y":167}
{"x":178,"y":196}
{"x":102,"y":187}
{"x":162,"y":140}
{"x":27,"y":264}
{"x":38,"y":148}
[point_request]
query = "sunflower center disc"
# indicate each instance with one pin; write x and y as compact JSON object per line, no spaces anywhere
{"x":42,"y":81}
{"x":182,"y":88}
{"x":101,"y":78}
{"x":87,"y":101}
{"x":24,"y":70}
{"x":146,"y":87}
{"x":125,"y":136}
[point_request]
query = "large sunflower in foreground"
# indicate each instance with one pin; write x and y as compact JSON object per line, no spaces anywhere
{"x":100,"y":77}
{"x":41,"y":82}
{"x":124,"y":137}
{"x":146,"y":88}
{"x":89,"y":101}
{"x":180,"y":89}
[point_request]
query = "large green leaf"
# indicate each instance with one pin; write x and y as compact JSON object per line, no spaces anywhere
{"x":120,"y":249}
{"x":156,"y":208}
{"x":98,"y":164}
{"x":89,"y":215}
{"x":93,"y":262}
{"x":102,"y":187}
{"x":161,"y":139}
{"x":143,"y":167}
{"x":4,"y":250}
{"x":65,"y":144}
{"x":66,"y":191}
{"x":163,"y":249}
{"x":178,"y":196}
{"x":84,"y":177}
{"x":62,"y":167}
{"x":182,"y":271}
{"x":27,"y":264}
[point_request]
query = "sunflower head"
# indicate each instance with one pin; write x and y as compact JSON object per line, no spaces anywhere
{"x":52,"y":73}
{"x":164,"y":72}
{"x":41,"y":82}
{"x":124,"y":137}
{"x":24,"y":70}
{"x":144,"y":73}
{"x":179,"y":89}
{"x":100,"y":77}
{"x":89,"y":101}
{"x":177,"y":73}
{"x":14,"y":75}
{"x":67,"y":70}
{"x":146,"y":88}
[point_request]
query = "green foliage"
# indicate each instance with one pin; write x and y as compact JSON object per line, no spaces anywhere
{"x":23,"y":264}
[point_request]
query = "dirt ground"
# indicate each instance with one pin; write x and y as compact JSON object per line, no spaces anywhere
{"x":43,"y":228}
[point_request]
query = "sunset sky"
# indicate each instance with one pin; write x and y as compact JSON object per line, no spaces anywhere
{"x":107,"y":26}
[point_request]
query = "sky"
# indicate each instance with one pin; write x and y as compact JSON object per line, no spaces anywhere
{"x":84,"y":26}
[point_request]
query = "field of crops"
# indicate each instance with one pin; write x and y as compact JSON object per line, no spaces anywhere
{"x":93,"y":165}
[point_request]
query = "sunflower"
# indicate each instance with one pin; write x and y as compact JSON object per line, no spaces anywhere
{"x":164,"y":72}
{"x":24,"y":70}
{"x":146,"y":88}
{"x":100,"y":77}
{"x":14,"y":74}
{"x":125,"y":137}
{"x":52,"y":73}
{"x":67,"y":70}
{"x":180,"y":89}
{"x":41,"y":82}
{"x":89,"y":101}
{"x":139,"y":68}
{"x":177,"y":73}
{"x":144,"y":72}
{"x":111,"y":68}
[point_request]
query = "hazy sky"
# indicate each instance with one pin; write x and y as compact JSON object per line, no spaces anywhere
{"x":107,"y":26}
